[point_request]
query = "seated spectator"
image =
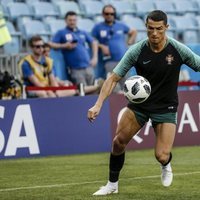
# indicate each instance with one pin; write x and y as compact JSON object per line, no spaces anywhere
{"x":37,"y":71}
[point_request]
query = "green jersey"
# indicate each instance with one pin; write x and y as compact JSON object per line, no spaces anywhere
{"x":161,"y":70}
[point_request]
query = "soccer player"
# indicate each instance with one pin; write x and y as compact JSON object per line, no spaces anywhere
{"x":157,"y":58}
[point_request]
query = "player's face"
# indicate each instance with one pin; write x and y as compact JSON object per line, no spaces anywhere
{"x":109,"y":15}
{"x":156,"y":31}
{"x":38,"y":48}
{"x":71,"y":21}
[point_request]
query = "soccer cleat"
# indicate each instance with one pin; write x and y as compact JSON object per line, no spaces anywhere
{"x":107,"y":189}
{"x":167,"y":175}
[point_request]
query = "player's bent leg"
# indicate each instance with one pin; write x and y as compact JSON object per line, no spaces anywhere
{"x":127,"y":128}
{"x":165,"y":134}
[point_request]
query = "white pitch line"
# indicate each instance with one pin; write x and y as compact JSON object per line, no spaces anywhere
{"x":90,"y":182}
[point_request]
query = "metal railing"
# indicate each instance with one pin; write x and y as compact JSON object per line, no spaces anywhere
{"x":10,"y":63}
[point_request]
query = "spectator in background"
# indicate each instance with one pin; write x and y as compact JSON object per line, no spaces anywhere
{"x":87,"y":89}
{"x":37,"y":71}
{"x":111,"y":35}
{"x":73,"y":43}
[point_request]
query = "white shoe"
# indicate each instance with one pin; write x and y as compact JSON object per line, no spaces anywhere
{"x":109,"y":188}
{"x":167,"y":175}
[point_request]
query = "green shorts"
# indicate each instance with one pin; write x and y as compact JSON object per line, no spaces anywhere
{"x":156,"y":118}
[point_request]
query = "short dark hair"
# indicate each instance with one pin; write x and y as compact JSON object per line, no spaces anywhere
{"x":34,"y":38}
{"x":157,"y":15}
{"x":70,"y":13}
{"x":47,"y":45}
{"x":108,"y":6}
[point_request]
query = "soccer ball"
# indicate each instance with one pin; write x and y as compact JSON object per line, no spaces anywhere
{"x":137,"y":89}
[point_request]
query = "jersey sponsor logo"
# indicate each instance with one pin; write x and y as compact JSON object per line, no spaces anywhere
{"x":69,"y":37}
{"x":146,"y":62}
{"x":170,"y":107}
{"x":169,"y":58}
{"x":103,"y":33}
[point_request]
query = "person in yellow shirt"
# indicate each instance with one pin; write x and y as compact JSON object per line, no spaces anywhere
{"x":37,"y":71}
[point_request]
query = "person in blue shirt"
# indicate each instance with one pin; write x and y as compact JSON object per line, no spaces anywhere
{"x":111,"y":35}
{"x":74,"y":44}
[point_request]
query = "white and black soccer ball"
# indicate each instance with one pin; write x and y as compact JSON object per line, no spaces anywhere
{"x":137,"y":89}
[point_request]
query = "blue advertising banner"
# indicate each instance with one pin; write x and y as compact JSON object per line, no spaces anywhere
{"x":58,"y":126}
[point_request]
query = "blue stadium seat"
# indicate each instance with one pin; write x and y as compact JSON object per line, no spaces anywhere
{"x":191,"y":37}
{"x":171,"y":33}
{"x":143,"y":7}
{"x":54,"y":25}
{"x":105,"y":2}
{"x":4,"y":10}
{"x":123,"y":7}
{"x":166,"y":6}
{"x":44,"y":9}
{"x":92,"y":7}
{"x":185,"y":6}
{"x":85,"y":24}
{"x":183,"y":24}
{"x":197,"y":5}
{"x":134,"y":22}
{"x":31,"y":1}
{"x":64,"y":6}
{"x":22,"y":20}
{"x":138,"y":24}
{"x":34,"y":27}
{"x":14,"y":46}
{"x":18,"y":9}
{"x":6,"y":2}
{"x":197,"y":17}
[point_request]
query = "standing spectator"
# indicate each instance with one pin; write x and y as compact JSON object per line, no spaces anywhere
{"x":111,"y":35}
{"x":37,"y":71}
{"x":73,"y":43}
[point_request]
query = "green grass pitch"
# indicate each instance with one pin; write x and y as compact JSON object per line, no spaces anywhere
{"x":77,"y":177}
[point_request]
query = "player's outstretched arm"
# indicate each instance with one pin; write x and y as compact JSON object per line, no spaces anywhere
{"x":106,"y":90}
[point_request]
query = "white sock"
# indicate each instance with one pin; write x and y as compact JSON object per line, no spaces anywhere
{"x":113,"y":184}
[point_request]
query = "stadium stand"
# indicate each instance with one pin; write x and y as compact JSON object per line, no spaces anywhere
{"x":45,"y":17}
{"x":65,"y":6}
{"x":33,"y":27}
{"x":85,"y":24}
{"x":185,"y":7}
{"x":143,"y":7}
{"x":123,"y":7}
{"x":137,"y":23}
{"x":92,"y":8}
{"x":44,"y":9}
{"x":18,"y":9}
{"x":166,"y":6}
{"x":54,"y":25}
{"x":185,"y":28}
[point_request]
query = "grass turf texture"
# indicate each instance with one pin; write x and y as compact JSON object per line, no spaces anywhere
{"x":77,"y":177}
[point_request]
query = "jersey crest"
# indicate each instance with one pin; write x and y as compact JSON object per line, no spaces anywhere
{"x":169,"y":58}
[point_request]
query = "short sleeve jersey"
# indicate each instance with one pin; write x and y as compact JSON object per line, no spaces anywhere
{"x":78,"y":57}
{"x":113,"y":36}
{"x":161,"y":70}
